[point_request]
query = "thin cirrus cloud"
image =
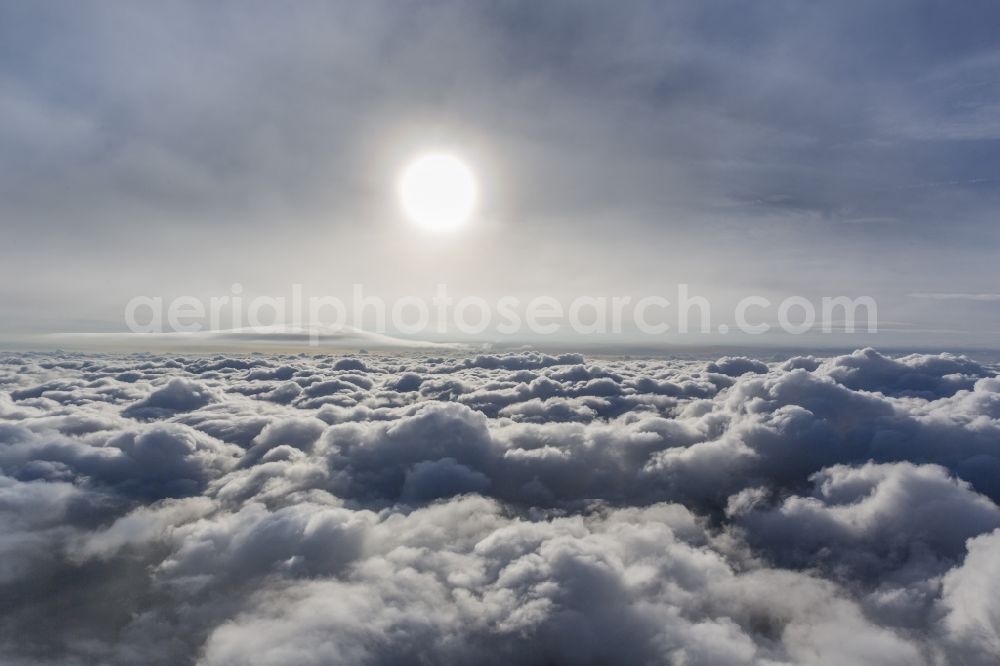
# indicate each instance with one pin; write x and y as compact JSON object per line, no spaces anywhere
{"x":628,"y":145}
{"x":956,"y":296}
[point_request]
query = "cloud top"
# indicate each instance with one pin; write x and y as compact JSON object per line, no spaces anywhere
{"x":274,"y":509}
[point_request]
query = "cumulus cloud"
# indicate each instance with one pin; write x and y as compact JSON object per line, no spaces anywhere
{"x":274,"y":509}
{"x":970,"y":599}
{"x":870,"y":519}
{"x":178,"y":395}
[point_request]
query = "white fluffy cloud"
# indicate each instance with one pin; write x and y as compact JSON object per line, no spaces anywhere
{"x":511,"y":507}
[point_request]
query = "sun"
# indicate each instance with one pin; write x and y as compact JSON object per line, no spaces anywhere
{"x":438,"y":192}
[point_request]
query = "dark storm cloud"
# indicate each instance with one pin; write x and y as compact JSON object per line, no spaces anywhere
{"x":819,"y":510}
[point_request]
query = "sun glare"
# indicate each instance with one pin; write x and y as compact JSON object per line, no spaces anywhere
{"x":438,"y":192}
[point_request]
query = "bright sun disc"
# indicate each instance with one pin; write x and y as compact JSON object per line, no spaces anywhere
{"x":438,"y":192}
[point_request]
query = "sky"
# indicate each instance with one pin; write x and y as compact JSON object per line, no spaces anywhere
{"x":438,"y":495}
{"x":772,"y":148}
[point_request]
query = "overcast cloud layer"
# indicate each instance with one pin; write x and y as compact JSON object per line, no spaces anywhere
{"x":270,"y":510}
{"x":772,"y":148}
